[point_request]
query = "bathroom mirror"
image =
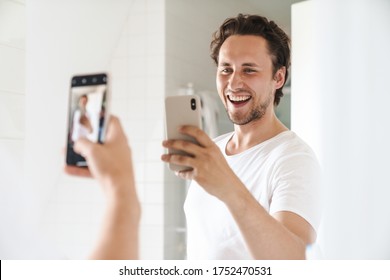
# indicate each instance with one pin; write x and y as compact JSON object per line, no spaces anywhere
{"x":188,"y":61}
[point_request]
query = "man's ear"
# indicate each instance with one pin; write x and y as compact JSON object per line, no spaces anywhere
{"x":280,"y":77}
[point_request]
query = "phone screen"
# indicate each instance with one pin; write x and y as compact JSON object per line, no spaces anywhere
{"x":87,"y":113}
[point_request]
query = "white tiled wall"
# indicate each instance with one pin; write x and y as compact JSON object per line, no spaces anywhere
{"x":138,"y":94}
{"x":75,"y":207}
{"x":12,"y":98}
{"x":12,"y":68}
{"x":72,"y":207}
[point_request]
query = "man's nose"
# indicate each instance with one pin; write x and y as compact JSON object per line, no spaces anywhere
{"x":235,"y":81}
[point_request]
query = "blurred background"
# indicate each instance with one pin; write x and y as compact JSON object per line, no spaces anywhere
{"x":336,"y":100}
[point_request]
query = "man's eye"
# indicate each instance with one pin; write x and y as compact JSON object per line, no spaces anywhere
{"x":226,"y":71}
{"x":249,"y":70}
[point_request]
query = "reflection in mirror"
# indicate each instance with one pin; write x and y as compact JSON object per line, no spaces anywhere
{"x":188,"y":61}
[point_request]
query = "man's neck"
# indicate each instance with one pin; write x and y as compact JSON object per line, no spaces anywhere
{"x":254,"y":133}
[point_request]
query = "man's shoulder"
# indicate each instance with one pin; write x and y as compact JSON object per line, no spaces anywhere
{"x":292,"y":147}
{"x":296,"y":143}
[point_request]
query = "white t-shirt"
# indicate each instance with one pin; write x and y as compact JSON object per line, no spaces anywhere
{"x":79,"y":130}
{"x":282,"y":173}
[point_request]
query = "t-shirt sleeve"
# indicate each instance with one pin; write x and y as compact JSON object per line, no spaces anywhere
{"x":296,"y":187}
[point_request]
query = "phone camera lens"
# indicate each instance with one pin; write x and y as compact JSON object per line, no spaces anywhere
{"x":193,"y":104}
{"x":94,"y":80}
{"x":84,"y":81}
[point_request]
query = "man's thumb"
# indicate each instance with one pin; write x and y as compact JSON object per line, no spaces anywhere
{"x":83,"y":147}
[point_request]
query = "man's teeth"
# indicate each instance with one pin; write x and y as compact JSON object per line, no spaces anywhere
{"x":239,"y":98}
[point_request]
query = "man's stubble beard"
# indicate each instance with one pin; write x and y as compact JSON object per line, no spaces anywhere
{"x":255,"y":114}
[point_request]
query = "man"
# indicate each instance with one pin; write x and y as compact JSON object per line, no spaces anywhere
{"x":254,"y":192}
{"x":81,"y":123}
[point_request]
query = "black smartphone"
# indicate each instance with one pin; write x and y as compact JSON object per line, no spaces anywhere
{"x":87,"y":114}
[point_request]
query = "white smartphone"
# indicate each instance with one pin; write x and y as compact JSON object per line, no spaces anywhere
{"x":181,"y":110}
{"x":87,"y":113}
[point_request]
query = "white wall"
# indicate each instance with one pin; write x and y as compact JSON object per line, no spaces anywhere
{"x":12,"y":130}
{"x":12,"y":88}
{"x":305,"y":104}
{"x":349,"y":64}
{"x":72,"y":207}
{"x":138,"y":68}
{"x":126,"y":39}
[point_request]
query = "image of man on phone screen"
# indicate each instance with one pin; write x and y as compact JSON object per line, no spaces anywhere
{"x":81,"y":121}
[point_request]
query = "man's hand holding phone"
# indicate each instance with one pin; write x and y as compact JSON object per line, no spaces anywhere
{"x":181,"y":110}
{"x":110,"y":163}
{"x":208,"y":167}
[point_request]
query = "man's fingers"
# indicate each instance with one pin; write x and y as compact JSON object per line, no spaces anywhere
{"x":114,"y":129}
{"x":182,"y":145}
{"x":202,"y":138}
{"x":178,"y":159}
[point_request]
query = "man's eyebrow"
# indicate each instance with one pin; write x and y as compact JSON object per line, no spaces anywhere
{"x":250,"y":64}
{"x":224,"y":64}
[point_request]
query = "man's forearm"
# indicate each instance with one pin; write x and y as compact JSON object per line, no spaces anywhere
{"x":119,"y":238}
{"x":265,"y":237}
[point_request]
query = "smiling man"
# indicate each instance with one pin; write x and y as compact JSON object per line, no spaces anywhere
{"x":254,"y":193}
